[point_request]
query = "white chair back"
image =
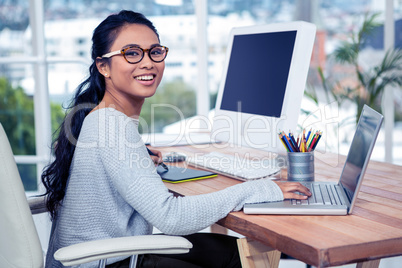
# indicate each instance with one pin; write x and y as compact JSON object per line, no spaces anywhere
{"x":19,"y":242}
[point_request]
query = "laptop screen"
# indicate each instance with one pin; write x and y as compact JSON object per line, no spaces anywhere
{"x":360,"y":150}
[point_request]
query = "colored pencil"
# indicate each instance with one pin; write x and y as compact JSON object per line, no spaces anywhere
{"x":303,"y":143}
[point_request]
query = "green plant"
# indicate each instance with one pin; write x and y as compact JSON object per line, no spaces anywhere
{"x":371,"y":82}
{"x":173,"y":101}
{"x":17,"y":118}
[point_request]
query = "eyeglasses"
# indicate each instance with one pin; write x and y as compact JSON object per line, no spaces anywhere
{"x":136,"y":54}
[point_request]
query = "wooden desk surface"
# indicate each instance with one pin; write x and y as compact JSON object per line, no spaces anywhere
{"x":373,"y":231}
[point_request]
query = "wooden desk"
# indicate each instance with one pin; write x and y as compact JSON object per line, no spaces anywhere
{"x":372,"y":232}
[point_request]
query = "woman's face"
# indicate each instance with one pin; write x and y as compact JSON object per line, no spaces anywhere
{"x":133,"y":82}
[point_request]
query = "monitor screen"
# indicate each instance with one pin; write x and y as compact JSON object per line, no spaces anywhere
{"x":263,"y":83}
{"x":258,"y":72}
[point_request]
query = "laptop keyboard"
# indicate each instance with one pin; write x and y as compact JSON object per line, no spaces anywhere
{"x":321,"y":194}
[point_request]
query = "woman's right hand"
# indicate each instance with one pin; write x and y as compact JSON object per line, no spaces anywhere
{"x":293,"y":190}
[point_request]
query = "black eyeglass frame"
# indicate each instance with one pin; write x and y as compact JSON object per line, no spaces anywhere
{"x":123,"y":52}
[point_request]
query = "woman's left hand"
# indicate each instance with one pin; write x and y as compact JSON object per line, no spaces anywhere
{"x":293,"y":190}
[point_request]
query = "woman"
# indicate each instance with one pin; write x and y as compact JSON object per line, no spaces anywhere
{"x":103,"y":183}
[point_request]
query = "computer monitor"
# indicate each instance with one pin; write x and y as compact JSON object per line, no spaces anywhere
{"x":263,"y":84}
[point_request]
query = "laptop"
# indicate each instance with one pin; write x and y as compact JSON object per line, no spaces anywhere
{"x":329,"y":198}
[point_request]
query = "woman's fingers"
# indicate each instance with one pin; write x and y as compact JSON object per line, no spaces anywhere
{"x":293,"y":190}
{"x":156,"y":156}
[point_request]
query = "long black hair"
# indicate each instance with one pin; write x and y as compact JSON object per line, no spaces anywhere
{"x":89,"y":94}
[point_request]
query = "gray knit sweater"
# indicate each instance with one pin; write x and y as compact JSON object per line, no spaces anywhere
{"x":114,"y":190}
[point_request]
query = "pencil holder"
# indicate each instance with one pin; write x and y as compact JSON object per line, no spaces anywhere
{"x":301,"y":166}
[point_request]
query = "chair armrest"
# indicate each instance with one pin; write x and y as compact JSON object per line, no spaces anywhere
{"x":121,"y":246}
{"x":37,"y":204}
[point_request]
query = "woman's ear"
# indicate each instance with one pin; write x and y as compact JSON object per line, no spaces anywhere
{"x":103,"y":67}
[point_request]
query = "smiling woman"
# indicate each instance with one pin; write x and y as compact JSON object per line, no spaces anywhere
{"x":127,"y":85}
{"x":94,"y":189}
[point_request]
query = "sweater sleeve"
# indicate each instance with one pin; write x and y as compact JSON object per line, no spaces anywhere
{"x":134,"y":175}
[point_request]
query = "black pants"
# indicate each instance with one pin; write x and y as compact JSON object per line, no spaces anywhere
{"x":209,"y":251}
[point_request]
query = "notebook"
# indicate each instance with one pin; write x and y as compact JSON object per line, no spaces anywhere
{"x":331,"y":198}
{"x":177,"y":174}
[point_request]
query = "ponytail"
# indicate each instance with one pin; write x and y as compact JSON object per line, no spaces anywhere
{"x":55,"y":175}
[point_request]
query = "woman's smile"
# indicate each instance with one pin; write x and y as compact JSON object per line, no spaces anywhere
{"x":146,"y":79}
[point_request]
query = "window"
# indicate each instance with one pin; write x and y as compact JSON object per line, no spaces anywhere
{"x":42,"y":89}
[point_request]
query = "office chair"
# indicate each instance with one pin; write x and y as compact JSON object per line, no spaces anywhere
{"x":20,"y":246}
